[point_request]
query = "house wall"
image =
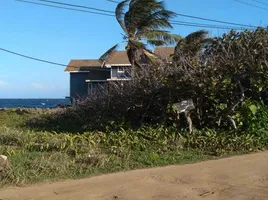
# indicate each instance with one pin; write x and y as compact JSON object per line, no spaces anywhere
{"x":99,"y":74}
{"x":78,"y":84}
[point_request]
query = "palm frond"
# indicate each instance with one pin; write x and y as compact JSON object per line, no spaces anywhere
{"x":197,"y":35}
{"x":136,"y":44}
{"x":156,"y":20}
{"x":149,"y":54}
{"x":120,"y":14}
{"x":108,"y":53}
{"x":156,"y":42}
{"x":192,"y":44}
{"x":147,"y":14}
{"x":164,"y":36}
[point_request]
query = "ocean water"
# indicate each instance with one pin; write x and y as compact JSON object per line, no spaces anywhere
{"x":32,"y":103}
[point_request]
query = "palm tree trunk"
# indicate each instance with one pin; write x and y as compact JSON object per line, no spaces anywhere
{"x":131,"y":57}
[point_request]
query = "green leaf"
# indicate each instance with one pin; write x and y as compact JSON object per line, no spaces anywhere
{"x":253,"y":109}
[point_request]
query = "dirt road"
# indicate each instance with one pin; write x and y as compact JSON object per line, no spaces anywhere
{"x":236,"y":178}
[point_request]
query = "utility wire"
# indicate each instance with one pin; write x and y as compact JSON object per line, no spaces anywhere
{"x":78,"y":6}
{"x":260,"y":2}
{"x":113,"y":1}
{"x":65,"y":8}
{"x":212,"y":20}
{"x":206,"y":26}
{"x":32,"y":58}
{"x":252,"y":5}
{"x":39,"y":60}
{"x":178,"y":14}
{"x":202,"y":18}
{"x":193,"y":23}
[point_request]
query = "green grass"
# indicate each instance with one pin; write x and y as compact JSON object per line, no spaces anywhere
{"x":11,"y":119}
{"x":47,"y":156}
{"x":31,"y":167}
{"x":38,"y":156}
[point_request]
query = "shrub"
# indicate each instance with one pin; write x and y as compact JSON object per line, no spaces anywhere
{"x":219,"y":142}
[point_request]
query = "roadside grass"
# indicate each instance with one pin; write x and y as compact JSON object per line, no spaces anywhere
{"x":10,"y":118}
{"x":37,"y":156}
{"x":31,"y":167}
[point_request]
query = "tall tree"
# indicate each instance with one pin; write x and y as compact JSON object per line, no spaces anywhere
{"x":143,"y":21}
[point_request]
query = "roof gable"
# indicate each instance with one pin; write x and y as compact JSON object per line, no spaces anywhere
{"x":76,"y":65}
{"x":118,"y":58}
{"x":164,"y":53}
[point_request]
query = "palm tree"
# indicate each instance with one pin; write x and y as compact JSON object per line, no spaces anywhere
{"x":144,"y":20}
{"x":191,"y":45}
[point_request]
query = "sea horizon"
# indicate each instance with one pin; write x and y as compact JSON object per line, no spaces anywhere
{"x":32,"y":102}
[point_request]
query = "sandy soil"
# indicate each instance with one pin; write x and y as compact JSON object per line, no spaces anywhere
{"x":236,"y":178}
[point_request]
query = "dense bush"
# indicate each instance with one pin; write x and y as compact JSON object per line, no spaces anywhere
{"x":142,"y":101}
{"x":230,"y":70}
{"x":221,"y":77}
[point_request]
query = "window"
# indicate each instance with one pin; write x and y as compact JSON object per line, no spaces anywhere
{"x":121,"y":69}
{"x":123,"y":72}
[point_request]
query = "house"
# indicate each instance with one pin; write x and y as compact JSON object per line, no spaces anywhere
{"x":86,"y":77}
{"x":89,"y":77}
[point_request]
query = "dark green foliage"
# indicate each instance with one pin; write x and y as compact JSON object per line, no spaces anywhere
{"x":255,"y":121}
{"x":230,"y":70}
{"x":129,"y":104}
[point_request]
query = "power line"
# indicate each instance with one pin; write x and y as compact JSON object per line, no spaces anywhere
{"x":181,"y":23}
{"x":205,"y":19}
{"x":113,"y":1}
{"x":179,"y":14}
{"x":252,"y":5}
{"x":212,"y":20}
{"x":39,"y":60}
{"x":205,"y":25}
{"x":60,"y":7}
{"x":175,"y":22}
{"x":260,"y":2}
{"x":32,"y":58}
{"x":78,"y":6}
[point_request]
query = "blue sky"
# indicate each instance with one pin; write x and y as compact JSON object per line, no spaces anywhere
{"x":60,"y":35}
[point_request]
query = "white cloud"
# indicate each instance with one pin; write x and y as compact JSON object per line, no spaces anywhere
{"x":3,"y":84}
